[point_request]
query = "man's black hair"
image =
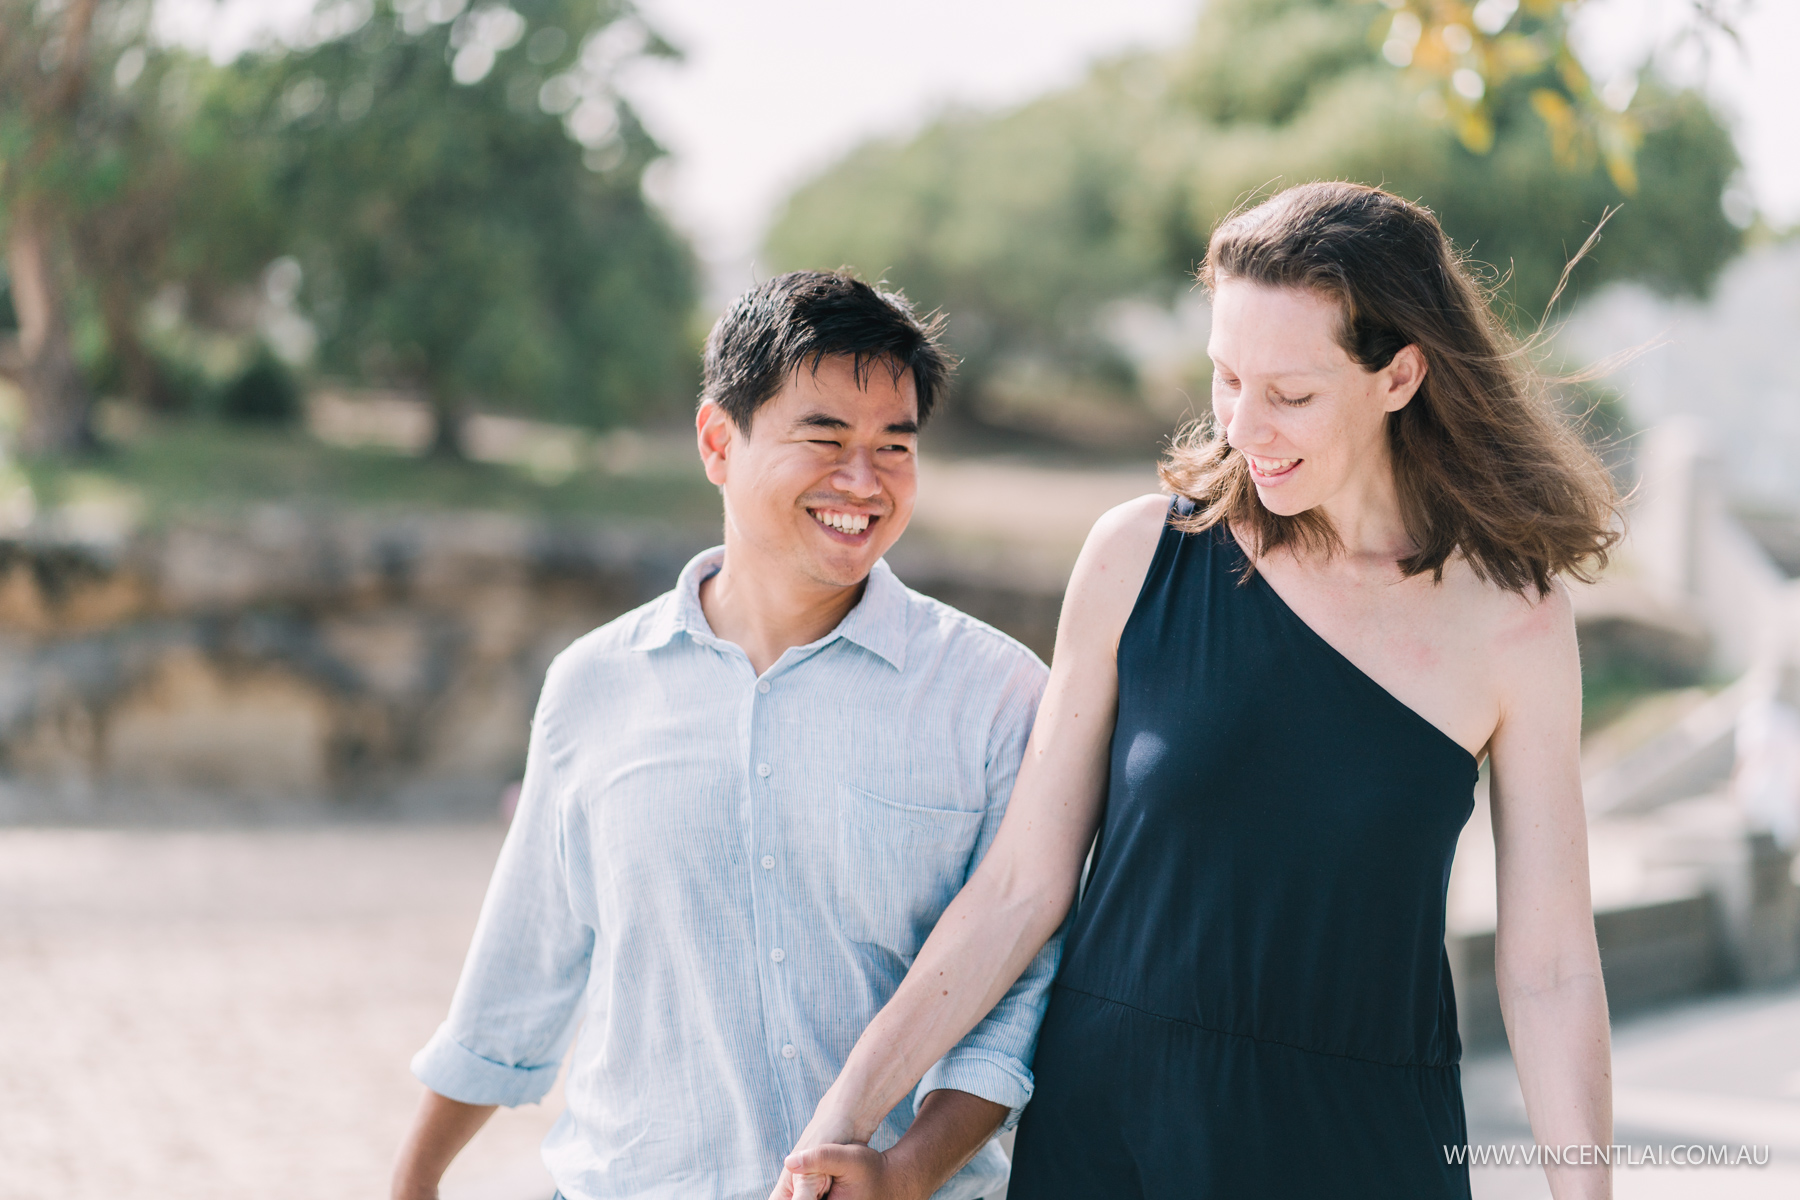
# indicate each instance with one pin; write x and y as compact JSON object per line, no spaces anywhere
{"x":800,"y":319}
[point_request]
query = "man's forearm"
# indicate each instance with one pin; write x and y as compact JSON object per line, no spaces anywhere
{"x":441,"y":1128}
{"x":949,"y":1129}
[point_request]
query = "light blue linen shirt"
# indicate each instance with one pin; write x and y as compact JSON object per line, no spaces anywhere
{"x":722,"y":878}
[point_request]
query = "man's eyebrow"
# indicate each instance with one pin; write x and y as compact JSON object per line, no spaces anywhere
{"x":819,"y":420}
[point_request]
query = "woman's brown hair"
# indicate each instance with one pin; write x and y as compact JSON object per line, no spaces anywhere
{"x":1483,"y":463}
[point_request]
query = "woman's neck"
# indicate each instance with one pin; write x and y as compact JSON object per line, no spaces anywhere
{"x":1367,"y":517}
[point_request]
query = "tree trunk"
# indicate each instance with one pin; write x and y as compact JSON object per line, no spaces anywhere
{"x":447,"y":434}
{"x":143,"y":377}
{"x":56,"y":397}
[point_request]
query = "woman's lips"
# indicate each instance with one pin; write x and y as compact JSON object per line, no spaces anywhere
{"x":1270,"y":470}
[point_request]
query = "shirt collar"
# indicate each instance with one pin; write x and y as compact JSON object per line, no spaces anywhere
{"x":877,"y":623}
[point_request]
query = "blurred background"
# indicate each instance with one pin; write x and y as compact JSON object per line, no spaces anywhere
{"x":348,"y":353}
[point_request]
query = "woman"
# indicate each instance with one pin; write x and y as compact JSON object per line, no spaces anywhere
{"x":1270,"y":698}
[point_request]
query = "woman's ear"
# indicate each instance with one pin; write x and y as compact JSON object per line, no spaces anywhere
{"x":1401,"y":378}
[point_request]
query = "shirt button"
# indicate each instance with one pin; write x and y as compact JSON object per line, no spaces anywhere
{"x":788,"y":1051}
{"x":768,"y":862}
{"x":762,"y":685}
{"x":778,"y":954}
{"x":763,"y":769}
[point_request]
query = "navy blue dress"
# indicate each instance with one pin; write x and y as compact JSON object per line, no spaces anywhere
{"x":1254,"y":999}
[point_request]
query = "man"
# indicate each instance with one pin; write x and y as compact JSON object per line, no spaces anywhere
{"x":747,"y":802}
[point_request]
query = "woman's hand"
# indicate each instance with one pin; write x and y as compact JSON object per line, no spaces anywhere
{"x":949,"y":1129}
{"x":846,"y":1173}
{"x":804,"y":1179}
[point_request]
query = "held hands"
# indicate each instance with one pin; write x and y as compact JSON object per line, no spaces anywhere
{"x":845,"y":1172}
{"x":830,"y":1158}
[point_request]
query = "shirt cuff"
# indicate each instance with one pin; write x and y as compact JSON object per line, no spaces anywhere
{"x":451,"y":1069}
{"x":998,"y":1078}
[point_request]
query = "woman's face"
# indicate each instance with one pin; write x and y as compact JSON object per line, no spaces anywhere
{"x":1308,"y":419}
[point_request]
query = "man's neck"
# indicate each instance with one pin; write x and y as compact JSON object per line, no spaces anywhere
{"x":766,"y":611}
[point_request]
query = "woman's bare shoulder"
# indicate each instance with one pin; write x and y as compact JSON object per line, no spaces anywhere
{"x":1110,"y":572}
{"x":1525,"y":629}
{"x":1129,"y":532}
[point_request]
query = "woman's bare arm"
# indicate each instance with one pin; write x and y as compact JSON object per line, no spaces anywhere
{"x":1025,"y":885}
{"x":1547,"y":963}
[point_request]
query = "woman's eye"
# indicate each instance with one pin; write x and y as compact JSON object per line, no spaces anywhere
{"x":1295,"y":401}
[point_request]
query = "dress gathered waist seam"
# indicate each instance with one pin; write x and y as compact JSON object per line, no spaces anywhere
{"x":1447,"y":1065}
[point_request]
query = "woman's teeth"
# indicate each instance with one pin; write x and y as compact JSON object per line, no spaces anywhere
{"x":1271,"y":466}
{"x":842,"y":522}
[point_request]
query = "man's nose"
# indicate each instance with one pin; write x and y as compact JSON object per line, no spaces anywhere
{"x":856,"y":475}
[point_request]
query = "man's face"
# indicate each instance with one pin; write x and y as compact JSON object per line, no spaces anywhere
{"x":823,"y":481}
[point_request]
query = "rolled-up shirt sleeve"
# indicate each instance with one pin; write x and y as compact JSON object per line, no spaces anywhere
{"x":519,"y":998}
{"x":994,"y":1060}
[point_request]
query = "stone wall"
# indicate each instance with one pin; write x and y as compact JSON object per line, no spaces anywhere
{"x":362,"y":661}
{"x":284,"y":656}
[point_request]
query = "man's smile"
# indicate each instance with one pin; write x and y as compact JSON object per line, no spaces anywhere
{"x":851,"y":525}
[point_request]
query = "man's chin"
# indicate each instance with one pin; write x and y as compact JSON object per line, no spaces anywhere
{"x":847,"y":566}
{"x":842,"y":570}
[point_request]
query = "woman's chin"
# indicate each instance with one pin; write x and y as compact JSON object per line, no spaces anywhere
{"x":1281,"y":503}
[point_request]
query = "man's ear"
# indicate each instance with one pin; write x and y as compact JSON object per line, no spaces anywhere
{"x":716,"y":433}
{"x":1401,"y":378}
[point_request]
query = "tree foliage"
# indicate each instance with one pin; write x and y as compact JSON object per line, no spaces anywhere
{"x":460,"y":188}
{"x":60,"y":134}
{"x":1025,"y":226}
{"x":464,"y":198}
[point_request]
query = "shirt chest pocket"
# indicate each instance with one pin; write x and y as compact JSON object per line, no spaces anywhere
{"x":898,"y":866}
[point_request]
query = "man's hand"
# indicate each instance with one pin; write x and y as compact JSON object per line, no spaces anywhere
{"x":826,"y":1130}
{"x":950,"y":1129}
{"x":848,"y":1173}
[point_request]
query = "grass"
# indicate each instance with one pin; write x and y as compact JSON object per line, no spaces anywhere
{"x":204,"y":467}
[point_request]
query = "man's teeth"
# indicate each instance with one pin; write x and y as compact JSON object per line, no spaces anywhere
{"x":843,"y":522}
{"x":1272,"y":466}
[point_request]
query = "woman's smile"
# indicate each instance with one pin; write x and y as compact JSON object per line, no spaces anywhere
{"x":1271,"y":470}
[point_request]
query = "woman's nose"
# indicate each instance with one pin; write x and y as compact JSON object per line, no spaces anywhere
{"x":1246,"y":422}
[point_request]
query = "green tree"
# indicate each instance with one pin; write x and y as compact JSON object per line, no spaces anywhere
{"x":462,"y":189}
{"x":55,"y":144}
{"x":1025,"y":225}
{"x":462,"y":186}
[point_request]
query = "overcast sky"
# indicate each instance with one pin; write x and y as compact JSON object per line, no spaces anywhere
{"x":770,"y":91}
